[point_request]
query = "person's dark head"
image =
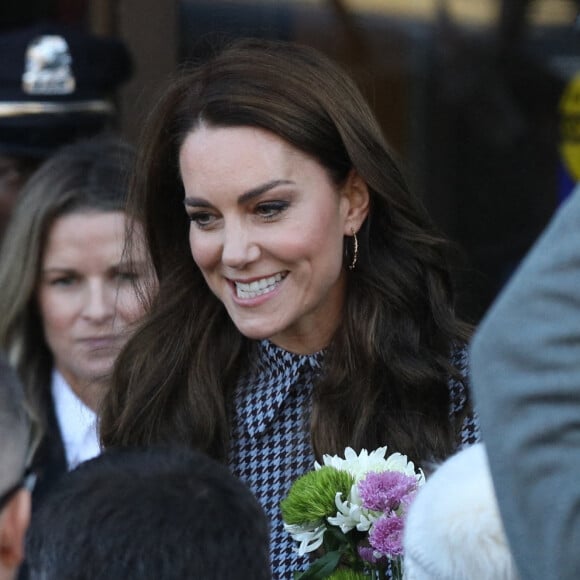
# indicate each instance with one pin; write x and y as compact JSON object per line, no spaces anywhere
{"x":159,"y":513}
{"x":285,"y":125}
{"x":15,"y":433}
{"x":65,"y":239}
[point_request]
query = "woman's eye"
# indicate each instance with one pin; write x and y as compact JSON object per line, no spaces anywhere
{"x":62,"y":281}
{"x":127,"y":276}
{"x":271,"y":209}
{"x":202,"y":219}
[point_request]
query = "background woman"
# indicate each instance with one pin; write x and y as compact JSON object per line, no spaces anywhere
{"x":67,"y":296}
{"x":305,"y":302}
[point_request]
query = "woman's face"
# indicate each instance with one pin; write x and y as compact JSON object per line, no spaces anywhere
{"x":267,"y":233}
{"x":86,"y":297}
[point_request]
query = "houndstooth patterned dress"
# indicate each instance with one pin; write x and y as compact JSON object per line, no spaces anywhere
{"x":270,"y":444}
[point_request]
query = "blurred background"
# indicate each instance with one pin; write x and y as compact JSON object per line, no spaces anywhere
{"x":478,"y":98}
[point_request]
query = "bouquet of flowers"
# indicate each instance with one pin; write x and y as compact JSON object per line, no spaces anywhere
{"x":353,"y":511}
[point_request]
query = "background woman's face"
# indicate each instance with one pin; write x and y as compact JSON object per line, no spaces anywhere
{"x":86,"y":297}
{"x":267,"y":233}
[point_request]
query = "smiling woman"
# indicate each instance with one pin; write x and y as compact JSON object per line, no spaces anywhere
{"x":305,"y":301}
{"x":267,"y":233}
{"x":67,"y":296}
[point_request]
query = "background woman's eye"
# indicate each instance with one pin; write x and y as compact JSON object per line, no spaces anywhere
{"x":127,"y":276}
{"x":271,"y":209}
{"x":62,"y":281}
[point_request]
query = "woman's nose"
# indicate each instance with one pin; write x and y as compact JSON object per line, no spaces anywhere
{"x":239,"y":246}
{"x":100,"y":301}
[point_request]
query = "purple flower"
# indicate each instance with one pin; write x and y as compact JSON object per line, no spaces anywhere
{"x":368,"y":554}
{"x":387,"y":490}
{"x":386,"y":536}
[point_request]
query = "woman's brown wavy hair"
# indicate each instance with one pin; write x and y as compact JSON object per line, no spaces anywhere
{"x":387,"y":367}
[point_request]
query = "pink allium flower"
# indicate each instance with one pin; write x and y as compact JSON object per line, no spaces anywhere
{"x":385,"y":491}
{"x":386,"y":536}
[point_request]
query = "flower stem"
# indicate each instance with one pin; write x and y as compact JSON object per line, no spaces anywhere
{"x":396,"y":569}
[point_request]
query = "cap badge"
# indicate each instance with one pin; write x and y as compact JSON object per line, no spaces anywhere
{"x":48,"y":67}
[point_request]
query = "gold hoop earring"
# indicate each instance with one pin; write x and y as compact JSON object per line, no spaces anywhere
{"x":352,"y":264}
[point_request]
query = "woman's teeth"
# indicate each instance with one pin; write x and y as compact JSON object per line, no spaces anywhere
{"x":258,"y":287}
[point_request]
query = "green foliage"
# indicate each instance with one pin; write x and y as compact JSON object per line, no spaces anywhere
{"x":347,"y":574}
{"x":322,"y":568}
{"x":311,"y":497}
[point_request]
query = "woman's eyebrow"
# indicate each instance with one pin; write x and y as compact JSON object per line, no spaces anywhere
{"x":57,"y":268}
{"x":244,"y":197}
{"x":260,"y":189}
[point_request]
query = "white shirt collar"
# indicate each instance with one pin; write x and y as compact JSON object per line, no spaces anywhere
{"x":77,"y":423}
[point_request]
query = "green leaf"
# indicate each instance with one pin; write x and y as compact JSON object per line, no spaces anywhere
{"x":321,"y":568}
{"x":334,"y":539}
{"x":348,"y":574}
{"x":337,"y":534}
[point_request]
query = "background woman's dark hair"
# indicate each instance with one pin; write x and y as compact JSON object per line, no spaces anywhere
{"x":90,"y":175}
{"x":386,"y":369}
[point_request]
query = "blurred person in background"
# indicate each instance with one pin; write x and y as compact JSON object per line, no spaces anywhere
{"x":66,"y":294}
{"x":56,"y":85}
{"x":15,"y":440}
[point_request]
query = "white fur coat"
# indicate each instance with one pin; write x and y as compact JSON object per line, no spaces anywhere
{"x":454,"y":530}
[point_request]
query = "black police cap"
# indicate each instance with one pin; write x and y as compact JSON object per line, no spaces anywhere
{"x":56,"y":84}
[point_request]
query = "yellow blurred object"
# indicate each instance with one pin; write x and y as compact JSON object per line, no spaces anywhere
{"x":469,"y":12}
{"x":570,"y":127}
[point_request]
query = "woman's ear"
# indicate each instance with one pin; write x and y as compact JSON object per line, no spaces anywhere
{"x":356,"y":194}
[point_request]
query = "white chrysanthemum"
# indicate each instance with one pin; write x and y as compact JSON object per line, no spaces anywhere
{"x":399,"y":462}
{"x":357,"y":465}
{"x":309,"y":535}
{"x":351,"y":514}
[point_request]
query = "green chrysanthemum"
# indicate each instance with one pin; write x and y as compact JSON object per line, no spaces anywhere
{"x":311,"y":497}
{"x":347,"y":574}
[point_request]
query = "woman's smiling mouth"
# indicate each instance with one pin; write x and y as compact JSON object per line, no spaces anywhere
{"x":245,"y":291}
